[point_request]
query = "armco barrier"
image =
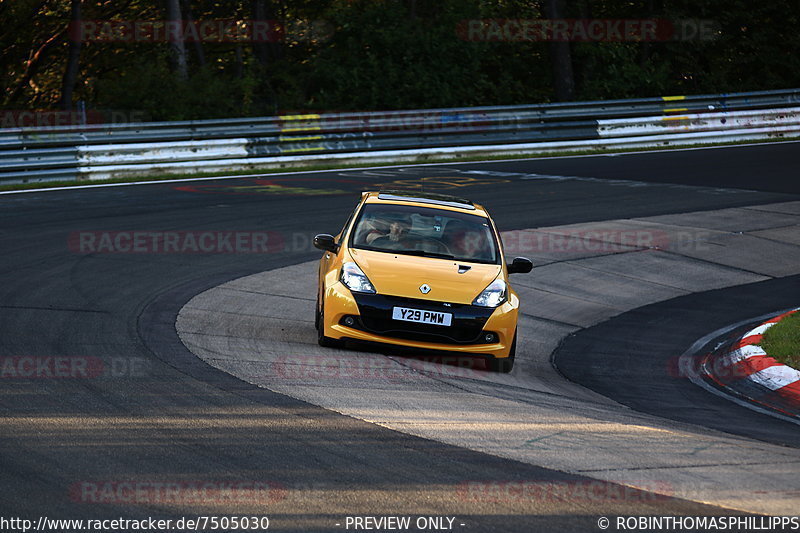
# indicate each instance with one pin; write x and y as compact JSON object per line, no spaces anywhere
{"x":785,"y":119}
{"x":145,"y":149}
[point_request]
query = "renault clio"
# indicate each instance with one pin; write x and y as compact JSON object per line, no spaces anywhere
{"x":422,"y":271}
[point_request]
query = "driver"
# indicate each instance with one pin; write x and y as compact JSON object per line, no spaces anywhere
{"x":465,"y":241}
{"x":396,"y":232}
{"x":473,"y":244}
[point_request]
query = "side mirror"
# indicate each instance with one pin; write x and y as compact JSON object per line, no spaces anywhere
{"x":520,"y":265}
{"x":325,"y":242}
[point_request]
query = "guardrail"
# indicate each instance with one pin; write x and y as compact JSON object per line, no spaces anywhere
{"x":145,"y":149}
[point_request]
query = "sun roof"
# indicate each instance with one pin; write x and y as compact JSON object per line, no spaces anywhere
{"x":426,"y":198}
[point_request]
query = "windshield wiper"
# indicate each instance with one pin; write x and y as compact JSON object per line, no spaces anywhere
{"x":423,"y":253}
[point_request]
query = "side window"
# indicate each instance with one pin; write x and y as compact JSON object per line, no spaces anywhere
{"x":347,"y":224}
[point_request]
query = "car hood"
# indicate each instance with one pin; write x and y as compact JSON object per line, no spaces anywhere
{"x":402,"y":275}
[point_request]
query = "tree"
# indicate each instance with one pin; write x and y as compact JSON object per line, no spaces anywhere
{"x":73,"y":56}
{"x":197,"y":43}
{"x":560,"y":56}
{"x":177,"y":46}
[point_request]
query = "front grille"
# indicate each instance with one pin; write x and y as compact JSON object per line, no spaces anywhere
{"x":466,"y":326}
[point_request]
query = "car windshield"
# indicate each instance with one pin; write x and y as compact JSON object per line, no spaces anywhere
{"x":425,"y":231}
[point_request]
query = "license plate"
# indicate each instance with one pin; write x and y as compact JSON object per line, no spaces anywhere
{"x":421,"y":316}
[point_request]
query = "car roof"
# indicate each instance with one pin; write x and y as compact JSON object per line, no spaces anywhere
{"x":425,"y":199}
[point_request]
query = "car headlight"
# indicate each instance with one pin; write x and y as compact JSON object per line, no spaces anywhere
{"x":355,"y":279}
{"x":493,"y":295}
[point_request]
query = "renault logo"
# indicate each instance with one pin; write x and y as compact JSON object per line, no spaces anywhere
{"x":424,"y":288}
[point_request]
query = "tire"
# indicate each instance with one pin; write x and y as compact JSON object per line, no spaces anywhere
{"x":504,"y":365}
{"x":322,"y":340}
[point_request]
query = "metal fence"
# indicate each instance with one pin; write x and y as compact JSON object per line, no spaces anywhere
{"x":101,"y":151}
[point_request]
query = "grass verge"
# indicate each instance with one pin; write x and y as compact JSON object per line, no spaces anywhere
{"x":36,"y":185}
{"x":782,"y":341}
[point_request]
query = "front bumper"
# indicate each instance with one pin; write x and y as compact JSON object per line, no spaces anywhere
{"x":373,"y":323}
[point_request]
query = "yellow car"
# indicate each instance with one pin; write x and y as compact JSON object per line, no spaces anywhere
{"x":423,"y":271}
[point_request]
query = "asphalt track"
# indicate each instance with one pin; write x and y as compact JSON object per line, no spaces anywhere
{"x":173,"y":420}
{"x":596,"y":358}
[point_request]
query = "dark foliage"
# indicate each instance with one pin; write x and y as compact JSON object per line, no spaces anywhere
{"x":340,"y":55}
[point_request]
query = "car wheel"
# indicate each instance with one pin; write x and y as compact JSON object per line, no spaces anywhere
{"x":322,"y":340}
{"x":505,"y":364}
